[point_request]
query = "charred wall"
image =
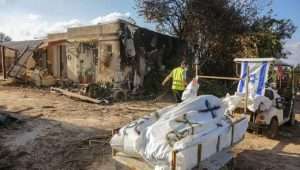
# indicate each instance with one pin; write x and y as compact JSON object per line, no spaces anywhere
{"x":148,"y":56}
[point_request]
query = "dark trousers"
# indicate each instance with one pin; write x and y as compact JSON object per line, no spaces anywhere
{"x":177,"y":94}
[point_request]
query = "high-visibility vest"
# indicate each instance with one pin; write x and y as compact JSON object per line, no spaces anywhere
{"x":178,"y":79}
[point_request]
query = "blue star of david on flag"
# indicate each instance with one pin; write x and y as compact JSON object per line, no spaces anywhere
{"x":252,"y":78}
{"x":258,"y":76}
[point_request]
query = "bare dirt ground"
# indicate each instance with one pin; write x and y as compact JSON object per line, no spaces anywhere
{"x":262,"y":153}
{"x":59,"y":133}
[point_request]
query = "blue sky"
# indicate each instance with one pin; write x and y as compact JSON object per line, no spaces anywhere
{"x":288,"y":9}
{"x":27,"y":19}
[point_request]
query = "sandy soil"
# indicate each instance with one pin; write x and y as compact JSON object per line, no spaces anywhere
{"x":258,"y":152}
{"x":59,"y":133}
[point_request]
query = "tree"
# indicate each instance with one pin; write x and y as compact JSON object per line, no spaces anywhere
{"x":169,"y":14}
{"x":297,"y":68}
{"x":219,"y":30}
{"x":210,"y":24}
{"x":270,"y":34}
{"x":4,"y":38}
{"x":210,"y":27}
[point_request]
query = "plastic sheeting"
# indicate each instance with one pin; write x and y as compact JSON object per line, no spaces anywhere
{"x":191,"y":90}
{"x":260,"y":102}
{"x":181,"y":127}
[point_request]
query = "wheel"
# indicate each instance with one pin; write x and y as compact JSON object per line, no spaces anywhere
{"x":250,"y":130}
{"x":292,"y":120}
{"x":273,"y":128}
{"x":230,"y":165}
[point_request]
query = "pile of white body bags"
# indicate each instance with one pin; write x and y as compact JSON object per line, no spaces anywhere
{"x":255,"y":102}
{"x":181,"y":127}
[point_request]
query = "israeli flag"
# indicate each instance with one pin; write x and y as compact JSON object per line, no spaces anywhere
{"x":258,"y":76}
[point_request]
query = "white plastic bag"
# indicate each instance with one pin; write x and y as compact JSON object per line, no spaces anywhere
{"x":191,"y":90}
{"x":260,"y":102}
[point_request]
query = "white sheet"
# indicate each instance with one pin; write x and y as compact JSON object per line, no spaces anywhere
{"x":179,"y":127}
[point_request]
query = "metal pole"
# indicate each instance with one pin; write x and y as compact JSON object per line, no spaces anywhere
{"x":293,"y":98}
{"x":197,"y":62}
{"x":247,"y":90}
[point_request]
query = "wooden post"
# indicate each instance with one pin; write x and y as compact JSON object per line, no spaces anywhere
{"x":173,"y":166}
{"x":16,"y":56}
{"x":3,"y":62}
{"x":113,"y":151}
{"x":247,"y":90}
{"x":199,"y":156}
{"x":232,"y":134}
{"x":293,"y":97}
{"x":219,"y":77}
{"x":1,"y":70}
{"x":196,"y":71}
{"x":113,"y":132}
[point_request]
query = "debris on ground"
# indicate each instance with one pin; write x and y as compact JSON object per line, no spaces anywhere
{"x":41,"y":78}
{"x":5,"y":120}
{"x":67,"y":135}
{"x":99,"y":90}
{"x":78,"y":96}
{"x":135,"y":108}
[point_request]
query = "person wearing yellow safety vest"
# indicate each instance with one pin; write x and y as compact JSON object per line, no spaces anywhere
{"x":178,"y":76}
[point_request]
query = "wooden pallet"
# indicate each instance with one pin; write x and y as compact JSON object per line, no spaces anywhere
{"x":215,"y":162}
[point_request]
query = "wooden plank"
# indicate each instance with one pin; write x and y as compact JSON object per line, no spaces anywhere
{"x":173,"y":164}
{"x":199,"y":155}
{"x":218,"y":144}
{"x":218,"y":77}
{"x":12,"y":49}
{"x":1,"y":59}
{"x":232,"y":134}
{"x":16,"y":56}
{"x":16,"y":69}
{"x":217,"y":161}
{"x":3,"y":62}
{"x":75,"y":95}
{"x":141,"y":109}
{"x":131,"y":163}
{"x":113,"y":132}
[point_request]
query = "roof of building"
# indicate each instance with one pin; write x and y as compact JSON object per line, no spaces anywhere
{"x":63,"y":34}
{"x":21,"y":45}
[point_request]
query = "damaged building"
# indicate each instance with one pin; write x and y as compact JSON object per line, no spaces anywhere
{"x":120,"y":53}
{"x":26,"y":61}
